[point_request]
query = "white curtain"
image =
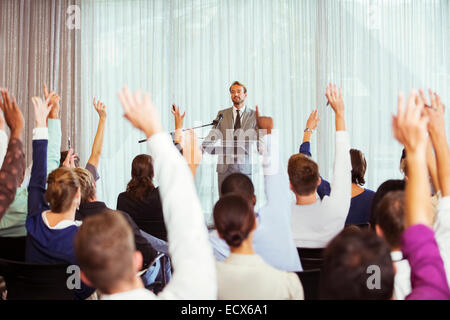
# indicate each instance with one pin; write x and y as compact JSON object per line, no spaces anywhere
{"x":285,"y":51}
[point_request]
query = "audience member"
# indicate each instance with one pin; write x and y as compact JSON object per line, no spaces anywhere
{"x":100,"y":250}
{"x":141,"y":200}
{"x":51,"y":232}
{"x":244,"y":275}
{"x":315,"y":222}
{"x":360,"y":204}
{"x":13,"y":167}
{"x":13,"y":222}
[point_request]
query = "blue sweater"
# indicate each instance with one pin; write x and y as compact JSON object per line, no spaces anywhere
{"x":45,"y":245}
{"x":360,"y":205}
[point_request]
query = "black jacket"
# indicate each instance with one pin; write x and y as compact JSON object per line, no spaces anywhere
{"x":92,"y":208}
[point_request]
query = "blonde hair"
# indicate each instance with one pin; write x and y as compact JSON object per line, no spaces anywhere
{"x":61,"y":190}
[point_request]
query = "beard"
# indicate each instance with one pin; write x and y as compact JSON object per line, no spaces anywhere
{"x":237,"y":101}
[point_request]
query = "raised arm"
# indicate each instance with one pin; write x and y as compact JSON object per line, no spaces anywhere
{"x":179,"y":121}
{"x":38,"y":180}
{"x":324,"y":188}
{"x":341,"y":183}
{"x":428,"y":278}
{"x":54,"y":131}
{"x":194,"y":274}
{"x":97,"y":146}
{"x":13,"y":166}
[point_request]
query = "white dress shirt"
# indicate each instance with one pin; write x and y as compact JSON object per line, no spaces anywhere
{"x":402,"y":280}
{"x":314,"y":225}
{"x":194,"y":276}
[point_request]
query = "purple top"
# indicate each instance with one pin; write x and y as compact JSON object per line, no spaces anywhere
{"x":428,"y":278}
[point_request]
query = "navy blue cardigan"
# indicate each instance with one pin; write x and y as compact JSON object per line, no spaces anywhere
{"x":45,"y":245}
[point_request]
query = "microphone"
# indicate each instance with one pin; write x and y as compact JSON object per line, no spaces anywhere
{"x":217,"y":122}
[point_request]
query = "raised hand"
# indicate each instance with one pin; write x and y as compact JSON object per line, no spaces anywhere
{"x":334,"y":96}
{"x":179,"y":118}
{"x":264,"y":123}
{"x":100,"y":108}
{"x":12,"y":113}
{"x":140,"y":111}
{"x":69,"y":162}
{"x":191,"y":150}
{"x":313,"y":120}
{"x":53,"y":102}
{"x":42,"y":110}
{"x":410,"y":124}
{"x":435,"y":111}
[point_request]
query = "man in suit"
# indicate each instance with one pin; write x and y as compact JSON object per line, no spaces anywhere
{"x":237,"y":130}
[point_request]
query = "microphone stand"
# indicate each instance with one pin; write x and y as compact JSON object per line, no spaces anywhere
{"x":203,"y":126}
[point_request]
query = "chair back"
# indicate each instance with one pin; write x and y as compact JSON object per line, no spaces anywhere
{"x":311,"y":258}
{"x":30,"y":281}
{"x":310,"y":280}
{"x":13,"y":248}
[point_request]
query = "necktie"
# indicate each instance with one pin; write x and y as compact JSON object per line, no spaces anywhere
{"x":237,"y":123}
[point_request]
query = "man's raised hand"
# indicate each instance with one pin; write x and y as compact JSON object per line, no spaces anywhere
{"x":13,"y":115}
{"x":264,"y":123}
{"x":140,"y":111}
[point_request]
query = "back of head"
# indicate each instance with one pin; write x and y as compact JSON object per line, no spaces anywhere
{"x":357,"y":266}
{"x":234,"y":219}
{"x":383,"y":189}
{"x":238,"y":183}
{"x":104,"y":248}
{"x":303,"y":174}
{"x":359,"y":166}
{"x":61,"y":189}
{"x":389,"y":215}
{"x":142,"y":173}
{"x":87,"y":184}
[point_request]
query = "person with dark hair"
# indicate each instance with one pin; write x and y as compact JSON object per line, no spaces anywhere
{"x":314,"y":221}
{"x":89,"y":206}
{"x":194,"y":274}
{"x":359,"y":212}
{"x":383,"y":189}
{"x":244,"y":275}
{"x":141,"y":200}
{"x":272,"y":239}
{"x":390,"y":225}
{"x":350,"y":261}
{"x":51,"y":229}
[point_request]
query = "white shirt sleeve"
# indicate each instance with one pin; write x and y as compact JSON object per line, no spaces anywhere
{"x":192,"y":258}
{"x":3,"y":146}
{"x":276,"y":180}
{"x":341,"y":183}
{"x":40,"y":133}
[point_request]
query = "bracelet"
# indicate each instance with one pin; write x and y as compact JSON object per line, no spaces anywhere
{"x":308,"y":130}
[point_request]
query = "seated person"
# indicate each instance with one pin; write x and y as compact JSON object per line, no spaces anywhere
{"x":141,"y":199}
{"x":12,"y":169}
{"x":244,"y":275}
{"x":13,"y":223}
{"x":105,"y":241}
{"x":51,"y":232}
{"x":360,"y":204}
{"x":90,"y":205}
{"x":353,"y":254}
{"x":315,"y":222}
{"x":390,"y":225}
{"x":273,"y":238}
